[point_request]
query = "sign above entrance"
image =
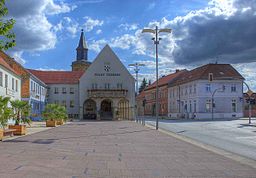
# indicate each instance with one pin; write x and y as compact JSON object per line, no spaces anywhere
{"x":106,"y":74}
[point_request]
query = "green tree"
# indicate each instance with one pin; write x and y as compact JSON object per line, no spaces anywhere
{"x":5,"y":111}
{"x":55,"y":112}
{"x":143,"y":85}
{"x":6,"y":35}
{"x":21,"y":111}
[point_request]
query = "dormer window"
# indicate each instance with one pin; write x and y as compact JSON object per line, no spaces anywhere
{"x":210,"y":77}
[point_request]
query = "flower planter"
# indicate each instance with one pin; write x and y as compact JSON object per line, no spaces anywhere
{"x":20,"y":129}
{"x":1,"y":134}
{"x":60,"y":122}
{"x":51,"y":123}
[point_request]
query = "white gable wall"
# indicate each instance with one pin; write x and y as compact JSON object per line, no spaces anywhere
{"x":96,"y":74}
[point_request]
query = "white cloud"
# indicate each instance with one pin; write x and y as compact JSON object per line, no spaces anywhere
{"x":98,"y":31}
{"x":97,"y":45}
{"x":90,"y":23}
{"x":124,"y":42}
{"x":67,"y":26}
{"x":128,"y":27}
{"x":46,"y":68}
{"x":17,"y":55}
{"x":34,"y":32}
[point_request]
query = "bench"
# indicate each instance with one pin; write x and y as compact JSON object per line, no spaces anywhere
{"x":9,"y":132}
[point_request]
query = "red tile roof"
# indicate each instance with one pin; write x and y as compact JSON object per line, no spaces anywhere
{"x":6,"y":65}
{"x":141,"y":95}
{"x":219,"y":71}
{"x":164,"y":80}
{"x":58,"y":77}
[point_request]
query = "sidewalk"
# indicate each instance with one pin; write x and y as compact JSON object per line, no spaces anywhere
{"x":33,"y":128}
{"x":111,"y":149}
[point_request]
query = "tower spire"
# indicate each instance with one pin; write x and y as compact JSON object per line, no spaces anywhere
{"x":81,"y":50}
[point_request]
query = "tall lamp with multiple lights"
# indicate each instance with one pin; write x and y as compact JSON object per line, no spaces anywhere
{"x":156,"y":40}
{"x":136,"y":69}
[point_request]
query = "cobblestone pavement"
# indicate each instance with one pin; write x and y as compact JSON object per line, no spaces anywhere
{"x":111,"y":149}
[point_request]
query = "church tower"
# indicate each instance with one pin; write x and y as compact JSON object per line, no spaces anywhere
{"x":81,"y":63}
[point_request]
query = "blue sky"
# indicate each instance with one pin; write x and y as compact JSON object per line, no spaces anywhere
{"x":47,"y":32}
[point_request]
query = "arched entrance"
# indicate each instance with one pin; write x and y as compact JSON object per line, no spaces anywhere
{"x":123,"y":109}
{"x":106,"y":111}
{"x":89,"y":109}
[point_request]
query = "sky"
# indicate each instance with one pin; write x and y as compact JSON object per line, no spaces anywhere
{"x":203,"y":31}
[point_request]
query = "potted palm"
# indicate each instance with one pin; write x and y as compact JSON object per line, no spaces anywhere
{"x":49,"y":115}
{"x":5,"y":114}
{"x":21,"y":116}
{"x":61,"y":115}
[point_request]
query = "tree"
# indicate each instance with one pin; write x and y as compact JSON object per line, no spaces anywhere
{"x":6,"y":35}
{"x":149,"y":82}
{"x":5,"y":111}
{"x":143,"y":85}
{"x":21,"y":111}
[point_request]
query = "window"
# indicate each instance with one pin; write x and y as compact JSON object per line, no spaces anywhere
{"x":95,"y":85}
{"x":6,"y":80}
{"x":190,"y":106}
{"x":194,"y":105}
{"x":208,"y":105}
{"x":71,"y":104}
{"x":233,"y":105}
{"x":56,"y":102}
{"x":186,"y":91}
{"x":16,"y":88}
{"x":190,"y":89}
{"x":31,"y":85}
{"x":64,"y":90}
{"x":119,"y":85}
{"x":12,"y":83}
{"x":71,"y":90}
{"x":210,"y":77}
{"x":1,"y":79}
{"x":64,"y":103}
{"x":195,"y":88}
{"x":56,"y":90}
{"x":233,"y":88}
{"x":208,"y":87}
{"x":107,"y":85}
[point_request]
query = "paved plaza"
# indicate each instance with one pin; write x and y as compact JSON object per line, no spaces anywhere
{"x":111,"y":149}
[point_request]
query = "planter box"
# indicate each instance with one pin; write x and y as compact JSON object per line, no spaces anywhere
{"x":50,"y":123}
{"x":60,"y":122}
{"x":1,"y":134}
{"x":20,"y":129}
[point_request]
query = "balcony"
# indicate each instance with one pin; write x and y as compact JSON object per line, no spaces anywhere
{"x":107,"y":93}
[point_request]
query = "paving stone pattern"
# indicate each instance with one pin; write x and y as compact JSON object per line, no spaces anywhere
{"x":118,"y":149}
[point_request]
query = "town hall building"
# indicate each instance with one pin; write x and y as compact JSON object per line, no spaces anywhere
{"x":102,"y":89}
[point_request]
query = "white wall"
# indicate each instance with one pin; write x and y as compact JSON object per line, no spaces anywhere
{"x":222,"y":99}
{"x":60,"y":96}
{"x":13,"y":93}
{"x":106,"y":57}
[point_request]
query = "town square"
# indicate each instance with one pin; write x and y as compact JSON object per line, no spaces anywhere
{"x":108,"y":88}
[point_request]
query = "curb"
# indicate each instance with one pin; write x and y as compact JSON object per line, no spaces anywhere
{"x":230,"y":155}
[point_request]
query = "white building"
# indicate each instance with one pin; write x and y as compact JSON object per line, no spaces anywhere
{"x":103,"y":89}
{"x":10,"y":81}
{"x":107,"y":88}
{"x":193,"y":93}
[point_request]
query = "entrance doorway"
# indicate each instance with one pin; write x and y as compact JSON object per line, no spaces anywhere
{"x":123,"y":109}
{"x":106,"y":111}
{"x":89,"y":109}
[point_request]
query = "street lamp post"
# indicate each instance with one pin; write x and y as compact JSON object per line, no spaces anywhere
{"x":249,"y":93}
{"x":136,"y":69}
{"x":222,"y":89}
{"x":156,"y":40}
